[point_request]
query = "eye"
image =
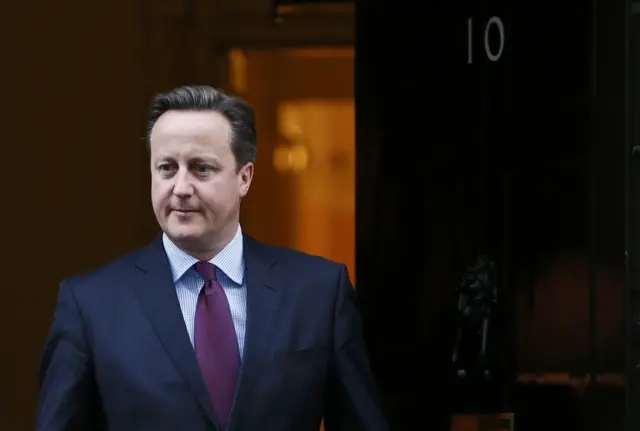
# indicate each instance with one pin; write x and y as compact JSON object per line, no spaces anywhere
{"x":204,"y":169}
{"x":166,"y":167}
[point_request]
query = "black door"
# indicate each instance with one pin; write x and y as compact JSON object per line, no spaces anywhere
{"x":491,"y":209}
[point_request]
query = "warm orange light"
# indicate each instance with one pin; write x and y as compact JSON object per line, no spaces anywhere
{"x":304,"y":104}
{"x":290,"y":159}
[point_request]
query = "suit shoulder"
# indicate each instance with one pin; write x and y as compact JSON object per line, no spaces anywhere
{"x":299,"y":259}
{"x":290,"y":255}
{"x":315,"y":277}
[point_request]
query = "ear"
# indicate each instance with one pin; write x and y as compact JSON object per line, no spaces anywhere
{"x":244,"y":179}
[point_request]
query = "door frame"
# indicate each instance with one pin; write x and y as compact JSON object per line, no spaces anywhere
{"x":632,"y":213}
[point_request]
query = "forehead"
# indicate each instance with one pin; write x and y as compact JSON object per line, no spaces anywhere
{"x":189,"y":129}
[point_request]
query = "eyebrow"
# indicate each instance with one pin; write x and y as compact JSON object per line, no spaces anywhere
{"x":197,"y":159}
{"x":205,"y":159}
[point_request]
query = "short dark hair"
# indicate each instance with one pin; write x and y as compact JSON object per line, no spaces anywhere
{"x":240,"y":114}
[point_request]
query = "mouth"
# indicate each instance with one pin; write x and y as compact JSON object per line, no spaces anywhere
{"x":182,"y":211}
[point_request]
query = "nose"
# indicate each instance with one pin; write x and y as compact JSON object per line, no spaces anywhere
{"x":182,"y":186}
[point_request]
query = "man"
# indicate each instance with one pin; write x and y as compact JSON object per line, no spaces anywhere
{"x":206,"y":328}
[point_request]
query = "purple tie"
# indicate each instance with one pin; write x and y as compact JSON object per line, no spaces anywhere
{"x":216,"y":344}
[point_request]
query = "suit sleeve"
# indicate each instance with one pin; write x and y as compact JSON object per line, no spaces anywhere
{"x":351,"y":399}
{"x":68,"y":398}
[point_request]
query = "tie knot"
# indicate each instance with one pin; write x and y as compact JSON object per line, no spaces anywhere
{"x":207,"y":270}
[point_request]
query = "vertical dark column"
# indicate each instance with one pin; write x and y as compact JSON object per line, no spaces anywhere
{"x":633,"y":215}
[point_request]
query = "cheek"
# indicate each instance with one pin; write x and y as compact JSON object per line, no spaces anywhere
{"x":159,"y":194}
{"x":218,"y":200}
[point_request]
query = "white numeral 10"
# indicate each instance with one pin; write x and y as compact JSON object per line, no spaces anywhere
{"x":492,"y":56}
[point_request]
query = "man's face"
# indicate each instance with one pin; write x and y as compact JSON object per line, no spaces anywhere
{"x":195,"y":186}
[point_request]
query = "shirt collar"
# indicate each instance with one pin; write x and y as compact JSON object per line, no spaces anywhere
{"x":230,"y":259}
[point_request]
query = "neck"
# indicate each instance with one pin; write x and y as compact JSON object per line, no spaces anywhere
{"x":206,"y":250}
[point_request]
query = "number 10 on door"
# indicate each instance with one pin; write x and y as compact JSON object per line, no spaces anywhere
{"x":493,"y":53}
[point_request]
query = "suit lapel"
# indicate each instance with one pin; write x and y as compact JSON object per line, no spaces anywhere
{"x":263,"y":301}
{"x":157,"y":296}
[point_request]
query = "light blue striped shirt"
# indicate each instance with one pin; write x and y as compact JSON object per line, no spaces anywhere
{"x":230,"y":262}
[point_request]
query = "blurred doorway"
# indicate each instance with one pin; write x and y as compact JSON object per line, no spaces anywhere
{"x":304,"y":193}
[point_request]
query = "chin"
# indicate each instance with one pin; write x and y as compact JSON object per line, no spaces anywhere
{"x":184,"y":232}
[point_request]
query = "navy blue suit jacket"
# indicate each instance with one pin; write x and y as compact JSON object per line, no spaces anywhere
{"x":118,"y":356}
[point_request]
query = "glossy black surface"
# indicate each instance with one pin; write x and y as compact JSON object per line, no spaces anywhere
{"x":520,"y":155}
